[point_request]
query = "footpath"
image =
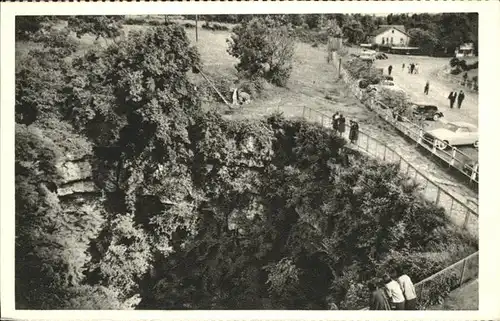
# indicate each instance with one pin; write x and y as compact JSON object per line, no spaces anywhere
{"x":463,"y":298}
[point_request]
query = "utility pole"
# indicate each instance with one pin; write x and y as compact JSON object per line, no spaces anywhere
{"x":196,"y":17}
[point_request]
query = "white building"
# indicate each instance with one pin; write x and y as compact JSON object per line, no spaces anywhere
{"x":465,"y":50}
{"x":390,"y":36}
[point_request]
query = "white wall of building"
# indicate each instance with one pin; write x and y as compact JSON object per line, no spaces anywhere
{"x":392,"y":37}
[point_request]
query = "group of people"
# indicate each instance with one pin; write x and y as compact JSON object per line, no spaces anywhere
{"x":338,"y":125}
{"x":393,"y":292}
{"x":459,"y":98}
{"x":412,"y":68}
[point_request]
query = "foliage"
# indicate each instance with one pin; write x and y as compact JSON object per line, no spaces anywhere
{"x":264,"y":48}
{"x":203,"y":212}
{"x":424,"y":39}
{"x":99,"y":26}
{"x":358,"y":69}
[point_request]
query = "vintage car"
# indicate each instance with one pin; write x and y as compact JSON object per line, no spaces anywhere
{"x":428,"y":112}
{"x":453,"y":134}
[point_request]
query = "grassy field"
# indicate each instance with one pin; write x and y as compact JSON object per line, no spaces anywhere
{"x":314,"y":83}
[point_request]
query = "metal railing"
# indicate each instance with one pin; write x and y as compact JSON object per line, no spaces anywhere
{"x":456,"y":158}
{"x":451,"y":277}
{"x":460,"y":213}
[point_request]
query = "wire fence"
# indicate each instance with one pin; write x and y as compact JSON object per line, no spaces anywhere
{"x":448,"y":279}
{"x":460,"y":213}
{"x":452,"y":156}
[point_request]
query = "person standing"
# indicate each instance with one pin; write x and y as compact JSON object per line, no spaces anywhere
{"x":460,"y":99}
{"x":378,"y":299}
{"x":409,"y":68}
{"x":341,"y":125}
{"x":335,"y":122}
{"x":354,"y":132}
{"x":426,"y":88}
{"x":416,"y":68}
{"x":452,"y":97}
{"x":394,"y":293}
{"x":403,"y":66}
{"x":465,"y":78}
{"x":389,"y":69}
{"x":412,"y":68}
{"x":408,"y":289}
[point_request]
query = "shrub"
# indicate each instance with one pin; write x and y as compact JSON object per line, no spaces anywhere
{"x":264,"y":48}
{"x":362,"y":69}
{"x":456,"y":71}
{"x":454,"y":61}
{"x":189,"y":25}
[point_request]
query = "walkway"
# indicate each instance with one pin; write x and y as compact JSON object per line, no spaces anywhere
{"x":463,"y":298}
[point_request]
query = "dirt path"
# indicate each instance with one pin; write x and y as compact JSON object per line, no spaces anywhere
{"x":413,"y":84}
{"x":463,"y":298}
{"x":439,"y":88}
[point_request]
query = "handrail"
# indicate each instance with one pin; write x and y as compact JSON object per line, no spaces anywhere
{"x":418,"y":171}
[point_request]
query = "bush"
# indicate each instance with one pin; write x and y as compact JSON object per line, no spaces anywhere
{"x":189,"y":25}
{"x":358,"y":68}
{"x":264,"y":48}
{"x":455,"y":71}
{"x":454,"y":61}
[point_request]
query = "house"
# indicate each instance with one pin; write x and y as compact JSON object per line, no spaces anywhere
{"x":465,"y":50}
{"x":390,"y":36}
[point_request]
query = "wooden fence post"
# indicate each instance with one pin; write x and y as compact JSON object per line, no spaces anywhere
{"x":474,"y":171}
{"x":453,"y":154}
{"x":466,"y":221}
{"x":438,"y":195}
{"x":462,"y":273}
{"x":385,"y":151}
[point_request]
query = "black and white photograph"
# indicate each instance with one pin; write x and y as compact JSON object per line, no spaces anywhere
{"x":247,"y":161}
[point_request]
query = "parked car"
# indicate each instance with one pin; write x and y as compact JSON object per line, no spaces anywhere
{"x":453,"y":134}
{"x":387,"y":84}
{"x":428,"y":112}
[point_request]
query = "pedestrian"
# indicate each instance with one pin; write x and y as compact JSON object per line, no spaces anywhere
{"x":408,"y":289}
{"x":412,"y":68}
{"x":460,"y":99}
{"x":335,"y":122}
{"x":378,"y":299}
{"x":341,"y":125}
{"x":452,"y":97}
{"x":354,"y":132}
{"x":465,"y":77}
{"x":403,"y":66}
{"x":389,"y":69}
{"x":394,"y":292}
{"x":426,"y":88}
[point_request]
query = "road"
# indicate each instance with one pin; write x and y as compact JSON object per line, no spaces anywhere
{"x":413,"y":84}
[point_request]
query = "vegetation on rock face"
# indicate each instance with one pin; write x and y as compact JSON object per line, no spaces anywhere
{"x":189,"y":210}
{"x":264,"y":48}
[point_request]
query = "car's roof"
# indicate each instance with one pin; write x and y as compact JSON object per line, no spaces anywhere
{"x":424,"y":105}
{"x":462,"y":124}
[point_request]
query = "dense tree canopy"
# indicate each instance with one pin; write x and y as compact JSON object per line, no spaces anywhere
{"x":172,"y":207}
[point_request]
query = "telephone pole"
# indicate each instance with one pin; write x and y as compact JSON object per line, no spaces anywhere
{"x":196,"y":18}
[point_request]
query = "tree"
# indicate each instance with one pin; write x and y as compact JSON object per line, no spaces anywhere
{"x":423,"y":39}
{"x":264,"y":48}
{"x":99,"y":26}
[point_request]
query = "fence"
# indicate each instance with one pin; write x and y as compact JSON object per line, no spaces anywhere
{"x":450,"y":278}
{"x":456,"y":158}
{"x":461,"y":214}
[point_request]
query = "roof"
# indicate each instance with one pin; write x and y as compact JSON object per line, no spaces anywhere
{"x":384,"y":28}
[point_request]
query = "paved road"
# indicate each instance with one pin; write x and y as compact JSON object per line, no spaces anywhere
{"x":439,"y":89}
{"x":414,"y":85}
